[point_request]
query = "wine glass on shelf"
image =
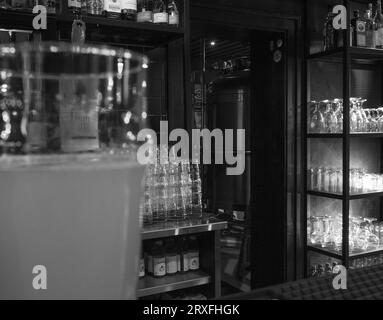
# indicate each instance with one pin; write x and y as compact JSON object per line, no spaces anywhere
{"x":353,"y":116}
{"x":339,"y":114}
{"x":330,"y":118}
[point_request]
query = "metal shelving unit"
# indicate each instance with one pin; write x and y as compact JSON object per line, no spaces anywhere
{"x":209,"y":232}
{"x":348,"y":57}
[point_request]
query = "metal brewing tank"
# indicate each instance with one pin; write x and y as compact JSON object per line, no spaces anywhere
{"x":228,"y":107}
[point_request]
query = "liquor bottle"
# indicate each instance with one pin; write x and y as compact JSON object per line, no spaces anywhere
{"x":174,"y":16}
{"x":183,"y":256}
{"x":129,"y":9}
{"x":18,"y":4}
{"x":78,"y":29}
{"x":370,"y":40}
{"x":329,"y":34}
{"x":160,"y":15}
{"x":171,"y":257}
{"x":193,"y":254}
{"x":149,"y":257}
{"x":95,"y":7}
{"x":378,"y":20}
{"x":145,"y":13}
{"x":359,"y":30}
{"x":74,"y":6}
{"x":159,"y":259}
{"x":141,"y":266}
{"x":112,"y":8}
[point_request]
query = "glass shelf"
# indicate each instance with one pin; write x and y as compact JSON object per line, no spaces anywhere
{"x":377,"y":135}
{"x":356,"y":53}
{"x":353,"y":196}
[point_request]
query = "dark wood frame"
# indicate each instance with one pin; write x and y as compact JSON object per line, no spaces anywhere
{"x":292,"y":245}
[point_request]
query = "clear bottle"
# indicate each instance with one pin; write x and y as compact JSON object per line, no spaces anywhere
{"x":145,"y":13}
{"x":171,"y":257}
{"x":129,"y":9}
{"x":183,"y":255}
{"x":174,"y":16}
{"x":141,"y":266}
{"x":193,"y":253}
{"x":378,"y":20}
{"x":329,"y":33}
{"x":78,"y":34}
{"x":74,"y":6}
{"x":370,"y":40}
{"x":112,"y":9}
{"x":159,"y":259}
{"x":149,"y":257}
{"x":160,"y":14}
{"x":359,"y":30}
{"x":18,"y":4}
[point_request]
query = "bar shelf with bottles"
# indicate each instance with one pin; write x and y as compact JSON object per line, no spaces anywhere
{"x":149,"y":22}
{"x":174,"y":228}
{"x":142,"y":21}
{"x":342,"y":145}
{"x":169,"y":265}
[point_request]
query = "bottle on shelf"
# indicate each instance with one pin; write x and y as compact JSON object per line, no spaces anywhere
{"x":159,"y":259}
{"x":370,"y":39}
{"x":378,"y":20}
{"x":112,"y":8}
{"x":330,"y":35}
{"x":358,"y":30}
{"x":145,"y":13}
{"x":149,"y":257}
{"x":94,"y":7}
{"x":193,"y":253}
{"x":141,"y":266}
{"x":129,"y":9}
{"x":171,"y":257}
{"x":17,"y":4}
{"x":160,"y":14}
{"x":183,"y":255}
{"x":74,"y":6}
{"x":174,"y":16}
{"x":78,"y":33}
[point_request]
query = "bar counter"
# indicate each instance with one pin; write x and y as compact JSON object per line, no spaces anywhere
{"x":362,"y":284}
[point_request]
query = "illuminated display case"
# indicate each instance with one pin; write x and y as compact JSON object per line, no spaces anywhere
{"x":342,"y":145}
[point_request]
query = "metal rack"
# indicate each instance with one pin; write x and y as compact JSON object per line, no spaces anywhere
{"x":348,"y":57}
{"x":209,"y":231}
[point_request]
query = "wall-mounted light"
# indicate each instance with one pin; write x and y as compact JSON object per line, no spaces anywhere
{"x":212,"y":43}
